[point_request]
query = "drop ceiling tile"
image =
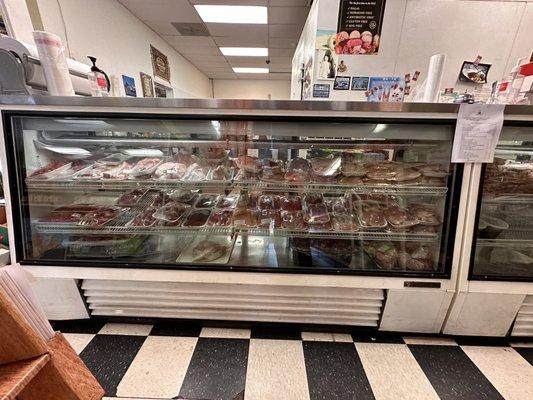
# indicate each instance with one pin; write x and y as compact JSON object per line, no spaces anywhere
{"x":162,"y":27}
{"x":241,"y":41}
{"x":190,"y":41}
{"x":284,"y":31}
{"x":249,"y":61}
{"x":222,"y":75}
{"x":287,"y":15}
{"x":282,"y":43}
{"x":197,"y":50}
{"x":163,"y":10}
{"x":281,"y":52}
{"x":282,"y":76}
{"x":238,"y":30}
{"x":219,"y":68}
{"x":215,"y":59}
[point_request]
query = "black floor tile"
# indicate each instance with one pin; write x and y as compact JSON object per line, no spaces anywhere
{"x":377,"y":337}
{"x":217,"y":370}
{"x":109,"y":357}
{"x":79,"y":326}
{"x":452,"y":374}
{"x":176,"y":328}
{"x":281,"y":333}
{"x":335,"y":372}
{"x":526,"y":352}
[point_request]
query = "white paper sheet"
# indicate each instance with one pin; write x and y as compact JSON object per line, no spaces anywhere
{"x":477,"y":133}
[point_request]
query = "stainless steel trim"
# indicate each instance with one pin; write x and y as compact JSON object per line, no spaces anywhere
{"x":260,"y":105}
{"x":36,"y":61}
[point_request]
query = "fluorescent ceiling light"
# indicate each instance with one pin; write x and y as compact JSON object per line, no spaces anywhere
{"x":245,"y":51}
{"x":232,"y":14}
{"x":243,"y":70}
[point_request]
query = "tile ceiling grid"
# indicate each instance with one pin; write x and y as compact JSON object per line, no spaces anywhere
{"x":285,"y":22}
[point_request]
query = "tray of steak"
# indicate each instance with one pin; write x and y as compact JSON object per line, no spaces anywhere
{"x":343,"y":222}
{"x":96,"y":172}
{"x":197,"y":173}
{"x":248,"y":164}
{"x":272,"y":174}
{"x":372,"y":218}
{"x":206,"y":201}
{"x":64,"y":217}
{"x":433,"y":170}
{"x":220,"y":173}
{"x":197,"y":218}
{"x":419,"y":258}
{"x":184,"y":196}
{"x":293,"y":220}
{"x":207,"y":250}
{"x":399,"y":217}
{"x":171,"y":214}
{"x":269,"y":218}
{"x":161,"y":198}
{"x":384,"y":254}
{"x":220,"y":218}
{"x":269,"y":202}
{"x":170,"y":171}
{"x":132,"y":198}
{"x":291,"y":203}
{"x":120,"y":172}
{"x":426,"y":214}
{"x":317,"y":214}
{"x":298,"y":170}
{"x":326,"y":166}
{"x":243,"y":218}
{"x":353,"y":169}
{"x":50,"y":170}
{"x":227,"y":202}
{"x":145,"y":218}
{"x":100,"y":217}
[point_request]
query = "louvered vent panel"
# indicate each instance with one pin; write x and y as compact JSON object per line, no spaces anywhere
{"x":523,"y":325}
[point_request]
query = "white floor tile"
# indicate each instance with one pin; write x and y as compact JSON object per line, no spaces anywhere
{"x":78,"y":341}
{"x":125,"y":329}
{"x":393,"y":372}
{"x":159,"y":368}
{"x":225,"y":333}
{"x":437,"y":341}
{"x":276,"y":370}
{"x":519,"y":343}
{"x":326,"y":337}
{"x":508,"y":372}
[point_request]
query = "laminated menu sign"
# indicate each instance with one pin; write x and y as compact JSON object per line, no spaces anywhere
{"x":477,"y":132}
{"x":359,"y":26}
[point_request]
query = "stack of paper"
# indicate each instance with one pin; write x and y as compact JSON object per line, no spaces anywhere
{"x":15,"y":286}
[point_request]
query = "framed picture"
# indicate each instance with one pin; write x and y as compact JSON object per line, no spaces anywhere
{"x":360,"y":82}
{"x":129,"y":86}
{"x":341,"y":83}
{"x":147,"y":85}
{"x":160,"y":64}
{"x":327,"y":65}
{"x":3,"y":28}
{"x":321,"y":90}
{"x":387,"y":89}
{"x":474,"y":72}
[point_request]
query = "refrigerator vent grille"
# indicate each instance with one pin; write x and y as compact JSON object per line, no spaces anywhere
{"x":239,"y":302}
{"x":523,"y":325}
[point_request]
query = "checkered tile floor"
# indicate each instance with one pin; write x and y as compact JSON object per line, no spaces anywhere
{"x":187,"y":361}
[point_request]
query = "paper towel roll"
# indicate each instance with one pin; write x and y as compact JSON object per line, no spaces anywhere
{"x":434,"y":78}
{"x":54,"y":62}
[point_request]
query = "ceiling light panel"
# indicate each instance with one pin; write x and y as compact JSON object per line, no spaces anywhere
{"x":246,"y":70}
{"x":245,"y":51}
{"x":232,"y":14}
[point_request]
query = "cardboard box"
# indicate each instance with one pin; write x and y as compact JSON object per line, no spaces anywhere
{"x":2,"y":214}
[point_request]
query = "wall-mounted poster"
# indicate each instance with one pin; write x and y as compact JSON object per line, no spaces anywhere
{"x":160,"y":64}
{"x":474,"y":72}
{"x":386,"y":89}
{"x":327,"y":65}
{"x":360,"y":82}
{"x":341,"y":83}
{"x":325,"y":39}
{"x":147,"y":85}
{"x":359,"y":26}
{"x":321,"y":90}
{"x":306,"y":80}
{"x":129,"y":86}
{"x":3,"y":28}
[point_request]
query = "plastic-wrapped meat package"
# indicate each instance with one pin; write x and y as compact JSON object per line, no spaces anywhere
{"x":291,"y":203}
{"x":185,"y":158}
{"x":113,"y":159}
{"x":399,"y":217}
{"x":184,"y":196}
{"x":121,"y":172}
{"x":436,"y":182}
{"x":48,"y":170}
{"x":293,"y":220}
{"x":97,"y":172}
{"x":269,"y":218}
{"x":146,"y":166}
{"x":272,"y":174}
{"x":317,"y":214}
{"x":269,"y":202}
{"x":357,"y":170}
{"x":270,"y":162}
{"x":220,"y":173}
{"x":213,"y":156}
{"x":372,"y":218}
{"x":424,"y":229}
{"x":248,"y":164}
{"x":227,"y":202}
{"x":220,"y":218}
{"x":170,"y":171}
{"x":197,"y":218}
{"x":75,"y":168}
{"x":132,"y":197}
{"x":419,"y":259}
{"x":336,"y":205}
{"x":326,"y":166}
{"x":161,"y":198}
{"x":405,"y":174}
{"x":298,"y":170}
{"x":206,"y":201}
{"x":197,"y":173}
{"x":171,"y":214}
{"x":248,"y":200}
{"x":386,"y":256}
{"x":145,"y":218}
{"x":350,"y":180}
{"x":100,"y":217}
{"x":323,"y":178}
{"x":320,"y":226}
{"x":433,"y":170}
{"x":243,"y":175}
{"x":426,"y":214}
{"x":246,"y":218}
{"x":78,"y":208}
{"x":313,"y":198}
{"x":343,"y":222}
{"x":65,"y":217}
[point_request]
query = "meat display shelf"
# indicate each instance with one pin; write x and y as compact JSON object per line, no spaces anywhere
{"x":120,"y":227}
{"x":282,"y":186}
{"x":505,"y":242}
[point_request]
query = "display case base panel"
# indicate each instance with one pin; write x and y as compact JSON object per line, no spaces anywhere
{"x":272,"y":303}
{"x":523,"y":324}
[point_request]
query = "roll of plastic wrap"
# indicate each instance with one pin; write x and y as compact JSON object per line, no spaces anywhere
{"x":54,"y":62}
{"x":434,"y":78}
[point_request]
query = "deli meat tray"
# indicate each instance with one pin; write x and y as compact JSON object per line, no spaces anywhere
{"x":208,"y":250}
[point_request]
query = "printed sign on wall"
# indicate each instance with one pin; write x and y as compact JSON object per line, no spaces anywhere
{"x":389,"y":89}
{"x":359,"y":26}
{"x":321,"y":90}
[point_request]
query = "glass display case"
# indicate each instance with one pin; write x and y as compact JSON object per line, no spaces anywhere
{"x":503,"y":242}
{"x":234,"y":193}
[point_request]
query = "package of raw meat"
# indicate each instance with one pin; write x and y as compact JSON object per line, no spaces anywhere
{"x":197,"y":173}
{"x":323,"y":178}
{"x":243,"y":175}
{"x":299,"y":164}
{"x":120,"y":172}
{"x":271,"y":162}
{"x":433,"y":170}
{"x":321,"y":226}
{"x":50,"y":170}
{"x":77,"y":167}
{"x":343,"y":222}
{"x":184,"y":196}
{"x":317,"y":214}
{"x":206,"y":201}
{"x":220,"y":218}
{"x":313,"y":198}
{"x":227,"y":202}
{"x":248,"y":164}
{"x":79,"y":208}
{"x":170,"y":171}
{"x":399,"y":217}
{"x":326,"y":166}
{"x":94,"y":173}
{"x":336,"y":204}
{"x":426,"y":214}
{"x":353,"y":169}
{"x":244,"y":218}
{"x":420,"y":258}
{"x":219,"y":173}
{"x":424,"y":229}
{"x":197,"y":218}
{"x":100,"y":217}
{"x":145,"y":218}
{"x":146,"y":166}
{"x":269,"y":202}
{"x":161,"y":198}
{"x":272,"y":174}
{"x":381,"y":171}
{"x":64,"y":217}
{"x":171,"y":214}
{"x":405,"y":174}
{"x":248,"y":200}
{"x":293,"y":220}
{"x":269,"y":219}
{"x":372,"y":219}
{"x":435,"y":182}
{"x":385,"y":255}
{"x":185,"y":158}
{"x":132,"y":197}
{"x":298,"y":170}
{"x":113,"y":159}
{"x":350,"y":180}
{"x":213,"y":156}
{"x":291,"y":203}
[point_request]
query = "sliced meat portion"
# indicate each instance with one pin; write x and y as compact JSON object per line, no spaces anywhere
{"x":206,"y":251}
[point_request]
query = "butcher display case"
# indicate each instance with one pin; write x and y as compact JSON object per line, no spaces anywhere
{"x":503,"y":240}
{"x":233,"y":192}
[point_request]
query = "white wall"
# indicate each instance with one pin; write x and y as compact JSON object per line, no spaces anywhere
{"x":120,"y":41}
{"x":251,"y":89}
